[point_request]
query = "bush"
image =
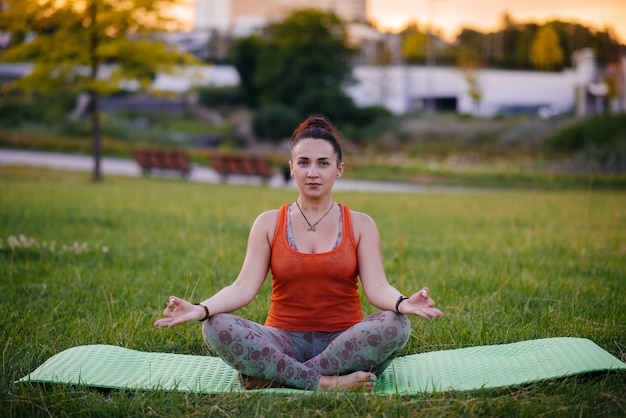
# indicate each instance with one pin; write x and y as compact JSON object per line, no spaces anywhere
{"x":38,"y":107}
{"x":227,"y":96}
{"x":14,"y":112}
{"x":600,"y":138}
{"x":368,"y":115}
{"x":274,"y":122}
{"x":334,"y":103}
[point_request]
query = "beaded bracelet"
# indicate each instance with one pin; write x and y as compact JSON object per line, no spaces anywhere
{"x":207,"y":315}
{"x":400,"y":300}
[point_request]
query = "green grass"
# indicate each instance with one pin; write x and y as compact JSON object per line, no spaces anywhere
{"x":503,"y":266}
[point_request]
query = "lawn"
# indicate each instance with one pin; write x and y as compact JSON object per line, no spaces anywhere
{"x":85,"y":263}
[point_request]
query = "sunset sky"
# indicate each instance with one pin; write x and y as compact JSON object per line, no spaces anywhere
{"x":450,"y":15}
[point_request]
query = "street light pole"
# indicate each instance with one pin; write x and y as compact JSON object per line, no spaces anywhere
{"x":431,"y":60}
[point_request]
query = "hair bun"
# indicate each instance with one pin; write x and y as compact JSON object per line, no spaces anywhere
{"x":318,"y":121}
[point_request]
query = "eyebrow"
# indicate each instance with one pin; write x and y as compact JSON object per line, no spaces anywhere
{"x":307,"y":158}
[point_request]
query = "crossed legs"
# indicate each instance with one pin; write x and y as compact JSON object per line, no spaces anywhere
{"x":309,"y":360}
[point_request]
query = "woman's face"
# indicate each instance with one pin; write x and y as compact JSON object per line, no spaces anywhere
{"x":314,"y":166}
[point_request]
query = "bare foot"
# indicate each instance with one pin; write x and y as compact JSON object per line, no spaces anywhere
{"x":357,"y":381}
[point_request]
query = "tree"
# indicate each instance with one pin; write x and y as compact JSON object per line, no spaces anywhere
{"x":471,"y":71}
{"x":546,"y":50}
{"x":304,"y":52}
{"x":69,"y":44}
{"x":245,"y":57}
{"x":414,"y":44}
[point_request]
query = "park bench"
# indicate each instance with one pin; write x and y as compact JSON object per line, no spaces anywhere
{"x":248,"y":165}
{"x":149,"y":159}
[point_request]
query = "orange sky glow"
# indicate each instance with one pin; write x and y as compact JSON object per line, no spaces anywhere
{"x":450,"y":15}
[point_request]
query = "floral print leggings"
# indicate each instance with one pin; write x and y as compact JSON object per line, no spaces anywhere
{"x":298,"y":359}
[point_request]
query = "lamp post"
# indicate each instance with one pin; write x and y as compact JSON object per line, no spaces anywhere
{"x":431,"y":60}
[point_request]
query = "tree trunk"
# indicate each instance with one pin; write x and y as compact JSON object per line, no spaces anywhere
{"x":95,"y":96}
{"x":95,"y":127}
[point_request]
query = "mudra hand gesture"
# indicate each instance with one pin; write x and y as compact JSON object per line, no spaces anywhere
{"x":420,"y":304}
{"x":179,"y":311}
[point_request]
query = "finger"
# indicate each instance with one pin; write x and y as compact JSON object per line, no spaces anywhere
{"x":160,"y":323}
{"x":434,"y":313}
{"x":422,"y":314}
{"x":429,"y":313}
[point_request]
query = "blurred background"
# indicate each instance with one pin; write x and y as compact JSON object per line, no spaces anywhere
{"x":422,"y":90}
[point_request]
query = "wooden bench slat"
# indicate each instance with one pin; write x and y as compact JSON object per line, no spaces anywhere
{"x":249,"y":165}
{"x":149,"y":159}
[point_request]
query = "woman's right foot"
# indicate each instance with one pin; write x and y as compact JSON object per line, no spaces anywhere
{"x":357,"y":381}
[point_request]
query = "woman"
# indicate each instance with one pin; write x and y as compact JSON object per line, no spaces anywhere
{"x":315,"y":336}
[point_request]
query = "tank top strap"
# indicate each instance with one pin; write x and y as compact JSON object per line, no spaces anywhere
{"x":347,"y":224}
{"x":281,"y":222}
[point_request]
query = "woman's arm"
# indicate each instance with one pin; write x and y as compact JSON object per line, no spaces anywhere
{"x":243,"y":290}
{"x":376,"y":287}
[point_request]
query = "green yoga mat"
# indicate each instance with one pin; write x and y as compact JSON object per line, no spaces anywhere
{"x":472,"y":368}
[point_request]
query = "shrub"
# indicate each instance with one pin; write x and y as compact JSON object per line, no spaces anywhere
{"x":332,"y":102}
{"x":369,"y":114}
{"x":274,"y":122}
{"x":14,"y":112}
{"x":600,"y":138}
{"x":227,"y":96}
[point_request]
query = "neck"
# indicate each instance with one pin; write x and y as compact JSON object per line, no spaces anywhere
{"x":313,"y":224}
{"x":315,"y":205}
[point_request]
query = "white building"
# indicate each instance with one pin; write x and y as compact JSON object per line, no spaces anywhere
{"x":405,"y":88}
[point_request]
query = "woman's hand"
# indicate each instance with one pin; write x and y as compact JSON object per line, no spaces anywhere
{"x":420,"y":304}
{"x":179,"y":311}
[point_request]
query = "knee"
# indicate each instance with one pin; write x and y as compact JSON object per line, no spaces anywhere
{"x":217,"y":329}
{"x":396,"y":326}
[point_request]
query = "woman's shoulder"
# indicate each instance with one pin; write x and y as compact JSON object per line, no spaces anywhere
{"x":268,"y":216}
{"x":361,"y":220}
{"x":363,"y":226}
{"x":265,"y":224}
{"x":360,"y":216}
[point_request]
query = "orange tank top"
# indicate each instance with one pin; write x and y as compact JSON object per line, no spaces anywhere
{"x":314,"y":292}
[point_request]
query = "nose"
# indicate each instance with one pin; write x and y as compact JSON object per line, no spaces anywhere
{"x":312,"y":171}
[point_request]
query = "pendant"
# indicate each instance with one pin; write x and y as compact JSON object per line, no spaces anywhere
{"x":311,"y":228}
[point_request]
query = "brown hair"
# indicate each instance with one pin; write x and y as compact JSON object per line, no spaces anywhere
{"x":318,"y":127}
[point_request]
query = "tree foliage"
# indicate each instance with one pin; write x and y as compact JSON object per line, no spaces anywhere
{"x":275,"y":122}
{"x":246,"y":56}
{"x":92,"y":46}
{"x":414,"y":44}
{"x":306,"y":51}
{"x":298,"y":66}
{"x":546,"y":51}
{"x":516,"y":45}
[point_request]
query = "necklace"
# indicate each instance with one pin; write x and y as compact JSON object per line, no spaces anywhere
{"x":312,"y":227}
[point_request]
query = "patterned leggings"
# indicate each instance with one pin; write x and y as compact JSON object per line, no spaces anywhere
{"x":298,"y":359}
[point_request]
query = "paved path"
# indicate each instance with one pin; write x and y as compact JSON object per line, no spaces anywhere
{"x":127,"y":167}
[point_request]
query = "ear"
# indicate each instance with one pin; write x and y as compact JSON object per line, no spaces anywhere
{"x":340,"y":168}
{"x":291,"y":168}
